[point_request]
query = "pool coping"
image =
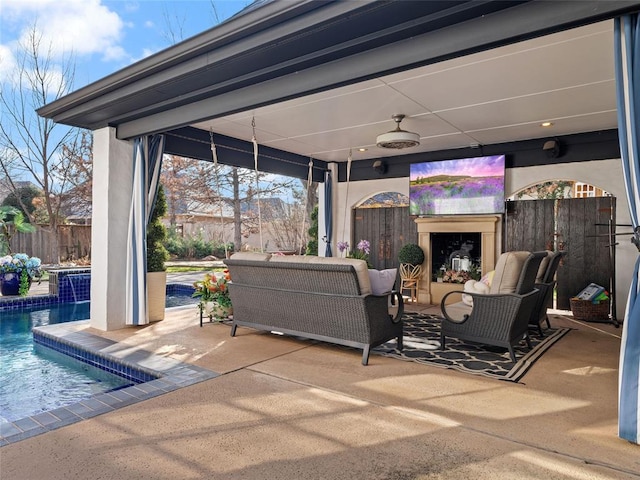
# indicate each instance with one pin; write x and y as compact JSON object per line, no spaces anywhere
{"x":163,"y":375}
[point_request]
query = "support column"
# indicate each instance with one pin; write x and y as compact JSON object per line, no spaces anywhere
{"x":112,"y":191}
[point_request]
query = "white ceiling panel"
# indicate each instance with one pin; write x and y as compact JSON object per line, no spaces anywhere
{"x":539,"y":107}
{"x":494,"y":96}
{"x":561,"y":126}
{"x":525,"y":73}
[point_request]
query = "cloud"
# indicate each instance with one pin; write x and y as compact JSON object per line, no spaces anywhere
{"x":7,"y":63}
{"x":84,"y":27}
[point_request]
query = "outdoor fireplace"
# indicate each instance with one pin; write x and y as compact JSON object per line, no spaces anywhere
{"x":440,"y":237}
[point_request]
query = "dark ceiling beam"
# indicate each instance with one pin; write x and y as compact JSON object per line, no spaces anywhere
{"x":580,"y":147}
{"x":196,"y":143}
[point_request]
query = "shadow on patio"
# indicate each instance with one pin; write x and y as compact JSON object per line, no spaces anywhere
{"x":287,"y":408}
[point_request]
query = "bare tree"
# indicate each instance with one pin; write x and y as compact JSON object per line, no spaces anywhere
{"x":221,"y":190}
{"x":79,"y":155}
{"x":32,"y":146}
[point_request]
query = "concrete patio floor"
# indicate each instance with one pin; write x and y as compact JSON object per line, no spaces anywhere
{"x":284,"y":408}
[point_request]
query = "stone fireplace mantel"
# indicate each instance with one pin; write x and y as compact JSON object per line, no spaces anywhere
{"x":487,"y":225}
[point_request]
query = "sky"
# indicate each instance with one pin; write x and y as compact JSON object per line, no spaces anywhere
{"x":105,"y":36}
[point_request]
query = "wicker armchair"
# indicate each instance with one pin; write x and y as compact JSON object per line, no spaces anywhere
{"x":545,"y":283}
{"x":501,"y":317}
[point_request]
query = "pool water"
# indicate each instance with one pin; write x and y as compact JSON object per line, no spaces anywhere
{"x":34,"y":378}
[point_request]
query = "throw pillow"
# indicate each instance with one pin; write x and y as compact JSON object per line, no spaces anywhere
{"x":382,"y":280}
{"x":473,"y":286}
{"x":486,"y":279}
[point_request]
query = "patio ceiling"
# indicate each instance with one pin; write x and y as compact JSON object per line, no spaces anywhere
{"x":496,"y":96}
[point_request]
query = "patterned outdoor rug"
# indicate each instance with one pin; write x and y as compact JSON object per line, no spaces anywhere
{"x":422,"y":345}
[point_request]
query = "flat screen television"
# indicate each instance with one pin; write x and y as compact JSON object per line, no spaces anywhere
{"x":465,"y":186}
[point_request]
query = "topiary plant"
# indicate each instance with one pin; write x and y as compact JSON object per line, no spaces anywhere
{"x":312,"y":246}
{"x":412,"y":254}
{"x":157,"y":254}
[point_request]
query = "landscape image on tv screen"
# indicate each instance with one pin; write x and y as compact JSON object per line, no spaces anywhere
{"x":466,"y":186}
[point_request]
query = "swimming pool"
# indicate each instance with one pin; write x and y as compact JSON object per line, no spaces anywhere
{"x":34,"y":378}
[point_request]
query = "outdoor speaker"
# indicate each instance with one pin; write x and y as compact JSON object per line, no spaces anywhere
{"x":552,"y":148}
{"x":380,"y":167}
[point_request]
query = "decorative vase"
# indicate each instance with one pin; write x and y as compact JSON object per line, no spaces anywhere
{"x":10,"y":283}
{"x":213,"y":309}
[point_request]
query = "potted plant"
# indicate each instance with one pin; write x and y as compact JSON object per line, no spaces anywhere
{"x":213,"y":292}
{"x":361,"y":252}
{"x":411,"y":258}
{"x":17,"y":272}
{"x":156,"y":256}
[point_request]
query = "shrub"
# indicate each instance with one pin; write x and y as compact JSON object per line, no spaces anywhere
{"x":194,"y":247}
{"x":312,"y":245}
{"x":156,"y":236}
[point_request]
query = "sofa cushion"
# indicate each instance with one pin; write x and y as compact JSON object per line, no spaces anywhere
{"x":291,"y":258}
{"x":507,"y":273}
{"x":360,"y":266}
{"x":256,"y":256}
{"x":382,"y":280}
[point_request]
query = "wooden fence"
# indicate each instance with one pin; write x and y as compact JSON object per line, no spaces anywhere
{"x":577,"y":226}
{"x":73,"y":243}
{"x":387,"y":230}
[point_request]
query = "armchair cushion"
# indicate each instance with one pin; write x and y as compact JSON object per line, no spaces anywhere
{"x":543,"y":267}
{"x":507,"y":273}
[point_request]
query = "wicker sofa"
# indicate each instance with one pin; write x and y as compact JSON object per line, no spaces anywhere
{"x":328,"y":299}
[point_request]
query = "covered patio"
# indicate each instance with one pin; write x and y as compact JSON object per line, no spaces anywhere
{"x":319,"y":80}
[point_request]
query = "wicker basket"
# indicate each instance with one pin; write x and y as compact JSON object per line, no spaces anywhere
{"x":585,"y":310}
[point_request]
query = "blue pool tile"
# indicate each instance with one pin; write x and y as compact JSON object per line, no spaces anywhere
{"x":63,"y":413}
{"x":26,"y":424}
{"x":45,"y":418}
{"x":8,"y":429}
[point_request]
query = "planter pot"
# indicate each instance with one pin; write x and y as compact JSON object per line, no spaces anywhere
{"x":156,"y":295}
{"x":10,"y":284}
{"x":212,"y":309}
